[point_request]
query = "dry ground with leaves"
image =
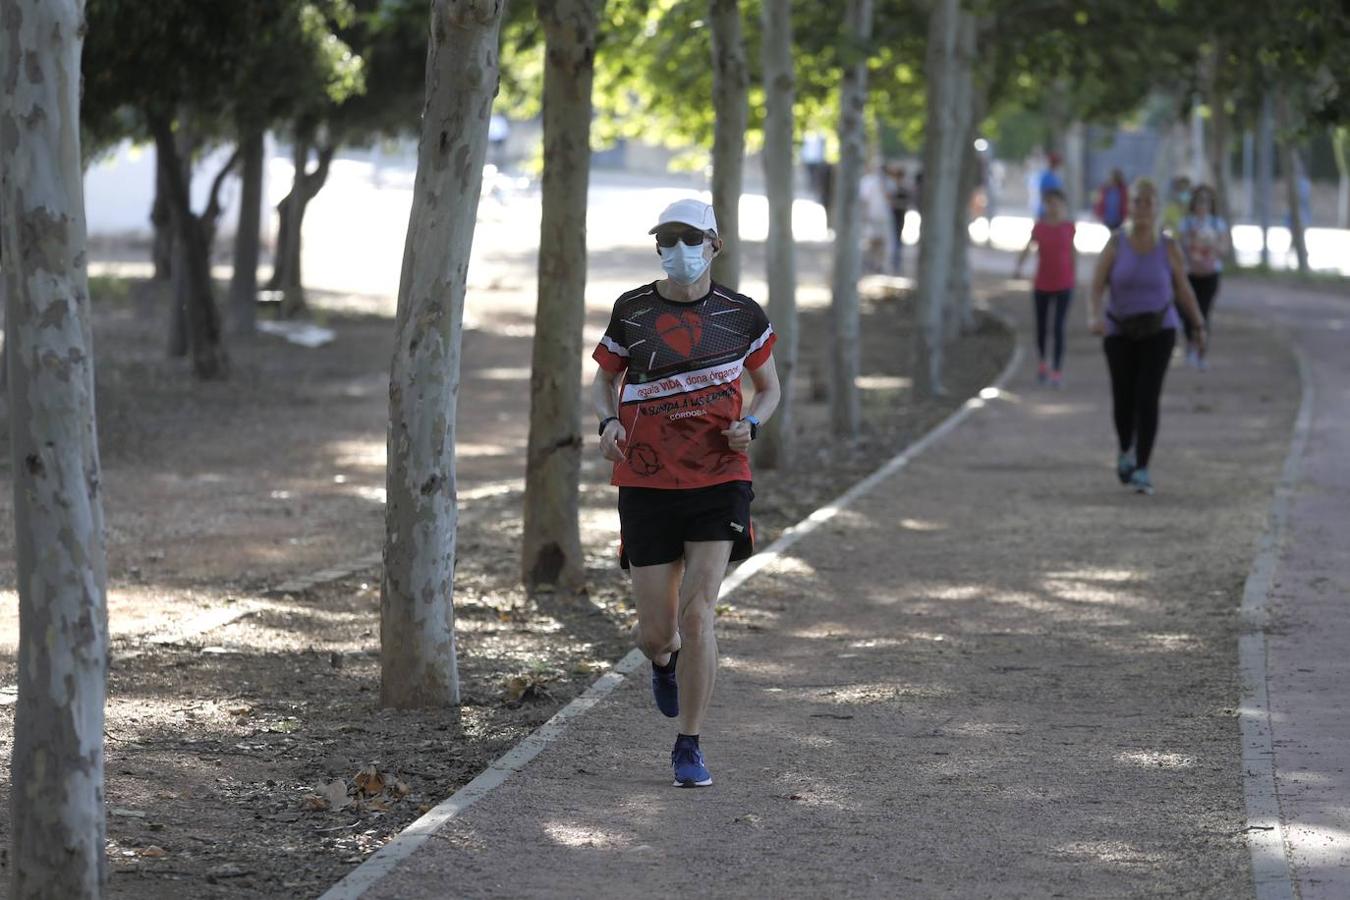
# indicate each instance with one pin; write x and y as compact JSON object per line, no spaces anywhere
{"x":246,"y":751}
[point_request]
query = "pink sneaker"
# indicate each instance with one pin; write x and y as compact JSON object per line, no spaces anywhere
{"x":1056,"y":379}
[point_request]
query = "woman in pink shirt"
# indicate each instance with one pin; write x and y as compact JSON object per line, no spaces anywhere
{"x":1055,"y":258}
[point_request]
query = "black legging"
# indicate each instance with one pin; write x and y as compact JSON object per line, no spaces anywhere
{"x":1043,"y":301}
{"x":1206,"y":287}
{"x":1137,"y":371}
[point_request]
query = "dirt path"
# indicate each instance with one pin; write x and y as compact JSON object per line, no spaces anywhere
{"x":220,"y":740}
{"x":998,"y":675}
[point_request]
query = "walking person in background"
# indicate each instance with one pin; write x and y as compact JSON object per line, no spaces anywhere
{"x":875,"y":204}
{"x":1204,"y":238}
{"x":813,"y":160}
{"x":1049,"y":181}
{"x":668,"y":396}
{"x":1178,"y":199}
{"x":1143,"y":269}
{"x":897,"y":192}
{"x":1112,"y":206}
{"x":1052,"y":289}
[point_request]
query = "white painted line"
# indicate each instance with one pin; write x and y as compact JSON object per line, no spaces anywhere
{"x":406,"y":842}
{"x":1272,"y":872}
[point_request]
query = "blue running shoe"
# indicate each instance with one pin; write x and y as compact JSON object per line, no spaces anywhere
{"x":1125,"y":466}
{"x":687,"y":761}
{"x":664,"y":687}
{"x":1140,"y":481}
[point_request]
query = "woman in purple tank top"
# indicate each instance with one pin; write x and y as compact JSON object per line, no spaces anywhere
{"x":1145,"y":271}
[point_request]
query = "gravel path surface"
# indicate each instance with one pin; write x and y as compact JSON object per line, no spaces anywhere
{"x":998,"y":675}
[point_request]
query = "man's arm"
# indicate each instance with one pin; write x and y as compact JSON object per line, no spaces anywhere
{"x":604,"y":400}
{"x":767,"y":394}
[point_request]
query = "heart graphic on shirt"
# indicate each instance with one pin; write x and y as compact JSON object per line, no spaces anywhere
{"x":680,"y":333}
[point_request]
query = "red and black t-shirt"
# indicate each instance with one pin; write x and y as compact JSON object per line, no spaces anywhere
{"x":681,"y":385}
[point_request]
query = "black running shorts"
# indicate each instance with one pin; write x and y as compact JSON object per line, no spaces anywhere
{"x":656,"y":522}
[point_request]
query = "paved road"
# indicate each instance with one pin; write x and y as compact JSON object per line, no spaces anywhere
{"x":998,"y":675}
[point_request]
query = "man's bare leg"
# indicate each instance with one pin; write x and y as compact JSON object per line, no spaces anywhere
{"x":656,"y":593}
{"x":705,"y":565}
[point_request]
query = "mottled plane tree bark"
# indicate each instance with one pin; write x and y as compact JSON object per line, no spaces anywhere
{"x":773,"y":448}
{"x":58,"y":827}
{"x":845,"y":406}
{"x":942,"y":162}
{"x":731,"y":85}
{"x":417,"y":627}
{"x":551,"y":556}
{"x":247,"y":238}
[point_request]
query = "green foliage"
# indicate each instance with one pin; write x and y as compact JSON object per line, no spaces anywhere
{"x":391,"y":38}
{"x":218,"y":63}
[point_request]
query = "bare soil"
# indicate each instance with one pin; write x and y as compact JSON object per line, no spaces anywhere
{"x":252,"y":758}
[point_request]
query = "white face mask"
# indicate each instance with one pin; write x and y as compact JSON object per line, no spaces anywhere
{"x":684,"y":264}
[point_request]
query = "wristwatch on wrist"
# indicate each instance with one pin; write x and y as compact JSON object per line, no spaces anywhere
{"x":604,"y":423}
{"x":754,"y":426}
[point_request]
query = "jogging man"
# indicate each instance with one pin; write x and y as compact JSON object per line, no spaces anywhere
{"x":668,"y":395}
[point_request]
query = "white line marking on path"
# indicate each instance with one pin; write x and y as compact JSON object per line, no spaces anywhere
{"x":1272,"y":872}
{"x":406,"y":842}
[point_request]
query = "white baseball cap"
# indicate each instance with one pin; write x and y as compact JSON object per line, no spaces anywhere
{"x":688,"y":212}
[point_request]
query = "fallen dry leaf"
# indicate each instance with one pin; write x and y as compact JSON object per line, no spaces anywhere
{"x":239,"y":710}
{"x":401,"y":788}
{"x":335,"y":792}
{"x":369,"y":781}
{"x":313,"y":802}
{"x":154,"y":852}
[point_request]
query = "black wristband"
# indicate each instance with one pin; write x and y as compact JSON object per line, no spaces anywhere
{"x":605,"y":421}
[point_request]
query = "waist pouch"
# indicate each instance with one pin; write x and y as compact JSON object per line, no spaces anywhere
{"x":1141,"y":325}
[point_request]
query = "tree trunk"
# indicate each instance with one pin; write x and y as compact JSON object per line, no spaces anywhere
{"x":941,"y":174}
{"x":1265,"y":174}
{"x":161,"y":251}
{"x":959,"y":316}
{"x":1219,"y":141}
{"x":179,"y":284}
{"x":247,"y":238}
{"x":845,"y":408}
{"x":199,"y":305}
{"x":289,"y":283}
{"x":773,"y":447}
{"x":1340,"y":145}
{"x":58,"y":825}
{"x":281,"y":254}
{"x":286,"y":273}
{"x":551,"y":555}
{"x":179,"y":288}
{"x":417,"y":627}
{"x":731,"y":85}
{"x":1293,"y":169}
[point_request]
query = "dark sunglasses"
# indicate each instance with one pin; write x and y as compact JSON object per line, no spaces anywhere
{"x":692,"y":237}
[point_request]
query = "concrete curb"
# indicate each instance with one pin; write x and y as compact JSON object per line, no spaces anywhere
{"x":1272,"y":873}
{"x":407,"y":842}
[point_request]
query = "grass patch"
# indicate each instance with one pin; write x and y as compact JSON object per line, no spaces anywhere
{"x":1316,"y":278}
{"x":110,"y":289}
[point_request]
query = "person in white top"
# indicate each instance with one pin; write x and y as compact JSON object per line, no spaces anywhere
{"x":1204,"y":243}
